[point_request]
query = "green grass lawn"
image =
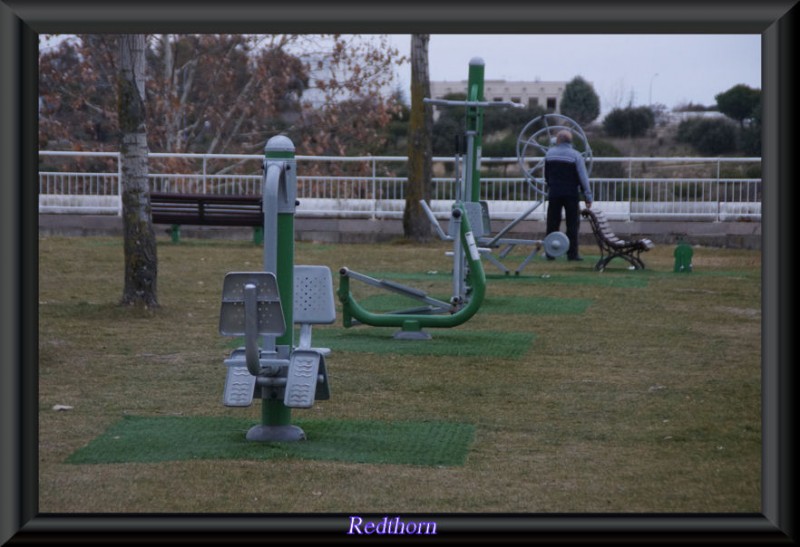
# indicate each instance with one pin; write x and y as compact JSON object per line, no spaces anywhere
{"x":569,"y":391}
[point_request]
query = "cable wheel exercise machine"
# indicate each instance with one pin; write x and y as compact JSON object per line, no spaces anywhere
{"x":533,"y":142}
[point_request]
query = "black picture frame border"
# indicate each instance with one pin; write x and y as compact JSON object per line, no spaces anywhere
{"x":20,"y":24}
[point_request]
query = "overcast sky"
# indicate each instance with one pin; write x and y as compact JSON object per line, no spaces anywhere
{"x":669,"y":69}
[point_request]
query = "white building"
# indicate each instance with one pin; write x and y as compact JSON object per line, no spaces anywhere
{"x":537,"y":93}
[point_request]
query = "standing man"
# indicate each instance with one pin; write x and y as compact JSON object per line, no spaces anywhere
{"x":565,"y":175}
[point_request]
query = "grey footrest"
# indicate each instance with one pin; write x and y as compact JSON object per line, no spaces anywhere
{"x":302,"y":378}
{"x":239,"y":384}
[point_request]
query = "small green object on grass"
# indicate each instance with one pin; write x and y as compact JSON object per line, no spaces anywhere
{"x":683,"y":257}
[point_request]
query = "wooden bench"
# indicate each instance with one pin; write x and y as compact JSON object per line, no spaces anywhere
{"x":207,"y":210}
{"x":612,"y":246}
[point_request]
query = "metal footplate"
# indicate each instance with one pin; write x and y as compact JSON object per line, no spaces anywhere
{"x":302,"y":378}
{"x":239,"y":383}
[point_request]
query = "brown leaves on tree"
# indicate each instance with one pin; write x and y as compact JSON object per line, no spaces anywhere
{"x":217,"y":93}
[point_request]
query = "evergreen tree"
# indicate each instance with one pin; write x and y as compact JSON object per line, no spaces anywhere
{"x":580,"y":102}
{"x":628,"y":122}
{"x":739,"y":102}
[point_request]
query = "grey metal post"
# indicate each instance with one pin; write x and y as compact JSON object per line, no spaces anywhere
{"x":205,"y":171}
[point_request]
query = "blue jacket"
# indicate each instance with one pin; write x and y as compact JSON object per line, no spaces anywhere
{"x":565,"y":172}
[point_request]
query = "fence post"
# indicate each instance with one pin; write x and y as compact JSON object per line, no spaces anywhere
{"x":630,"y":188}
{"x":719,"y":200}
{"x":374,"y":190}
{"x":119,"y":185}
{"x":204,"y":175}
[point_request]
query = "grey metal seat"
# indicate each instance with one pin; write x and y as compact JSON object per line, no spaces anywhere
{"x":313,"y":301}
{"x":307,"y":378}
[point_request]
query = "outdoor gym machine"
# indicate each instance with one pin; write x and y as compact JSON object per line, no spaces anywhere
{"x":268,"y":304}
{"x":535,"y":140}
{"x":468,"y":187}
{"x":469,"y":228}
{"x":467,"y":297}
{"x":468,"y":277}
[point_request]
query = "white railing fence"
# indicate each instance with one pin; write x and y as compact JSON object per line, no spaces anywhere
{"x":716,"y":189}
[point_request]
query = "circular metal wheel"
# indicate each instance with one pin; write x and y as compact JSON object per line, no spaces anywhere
{"x":556,"y":244}
{"x":538,"y":136}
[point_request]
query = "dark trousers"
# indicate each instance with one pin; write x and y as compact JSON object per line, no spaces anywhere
{"x":570,"y":206}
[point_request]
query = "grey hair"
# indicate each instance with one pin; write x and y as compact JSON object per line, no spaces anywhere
{"x":563,"y":136}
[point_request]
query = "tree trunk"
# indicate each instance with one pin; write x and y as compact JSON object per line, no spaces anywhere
{"x":170,"y":97}
{"x":416,"y":225}
{"x":141,"y":264}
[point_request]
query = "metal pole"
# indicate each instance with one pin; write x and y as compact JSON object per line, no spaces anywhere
{"x":204,"y":175}
{"x":374,"y":190}
{"x":630,"y":187}
{"x":119,"y":183}
{"x":475,"y":128}
{"x":719,"y":194}
{"x":651,"y":88}
{"x":279,"y":153}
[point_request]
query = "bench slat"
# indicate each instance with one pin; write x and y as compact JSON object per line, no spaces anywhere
{"x":612,"y":246}
{"x":206,"y":209}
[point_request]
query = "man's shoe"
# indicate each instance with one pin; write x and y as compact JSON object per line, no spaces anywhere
{"x":575,"y":258}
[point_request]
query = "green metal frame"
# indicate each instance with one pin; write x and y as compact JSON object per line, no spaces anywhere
{"x":415,"y":322}
{"x":474,"y":123}
{"x":466,"y":255}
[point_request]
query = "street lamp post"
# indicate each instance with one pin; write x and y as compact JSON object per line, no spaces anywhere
{"x":651,"y":88}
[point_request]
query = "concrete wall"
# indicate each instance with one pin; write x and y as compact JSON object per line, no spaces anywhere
{"x":746,"y":235}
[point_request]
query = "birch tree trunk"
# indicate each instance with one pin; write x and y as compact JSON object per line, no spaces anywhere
{"x":416,"y":225}
{"x":141,"y":264}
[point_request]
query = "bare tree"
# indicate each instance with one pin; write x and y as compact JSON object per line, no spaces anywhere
{"x":223,"y":93}
{"x":141,"y":264}
{"x":416,"y":225}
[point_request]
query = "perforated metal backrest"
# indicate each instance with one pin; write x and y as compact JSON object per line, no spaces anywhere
{"x":486,"y":221}
{"x":268,"y":311}
{"x":313,"y":295}
{"x":478,"y":217}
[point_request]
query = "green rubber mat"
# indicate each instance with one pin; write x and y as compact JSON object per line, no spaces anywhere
{"x":459,"y":343}
{"x":614,"y":279}
{"x":159,"y":439}
{"x":622,"y":278}
{"x":491,"y":305}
